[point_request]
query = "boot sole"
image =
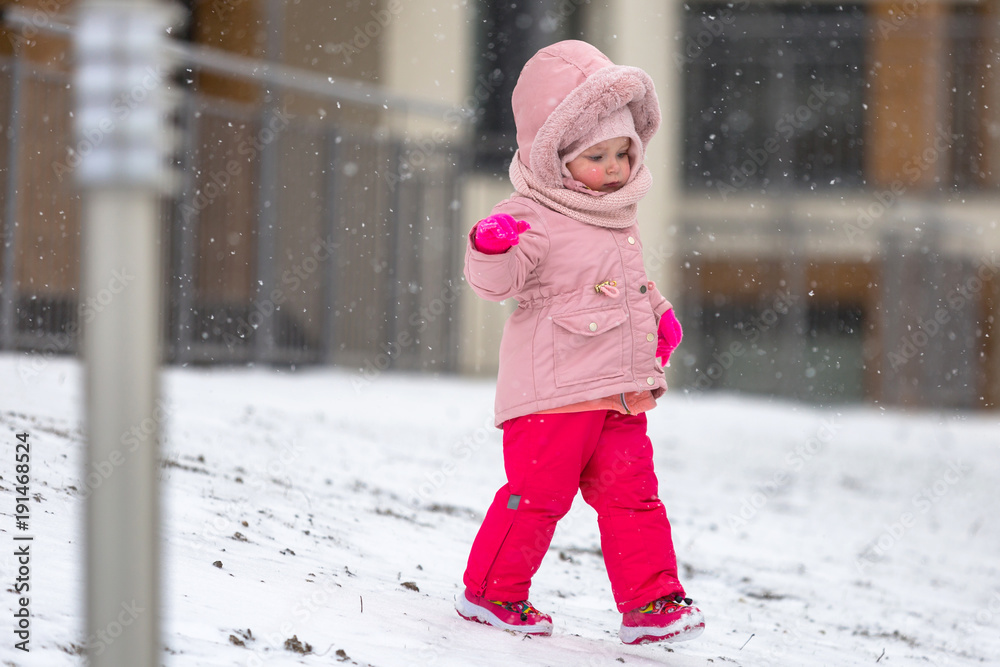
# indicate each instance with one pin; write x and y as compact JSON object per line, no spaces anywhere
{"x":684,"y":630}
{"x":477,"y":614}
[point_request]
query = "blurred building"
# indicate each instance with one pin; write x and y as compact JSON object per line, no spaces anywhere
{"x":839,"y":218}
{"x":824,"y":216}
{"x":304,"y":222}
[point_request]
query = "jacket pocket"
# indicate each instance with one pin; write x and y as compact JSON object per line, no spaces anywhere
{"x":589,"y":345}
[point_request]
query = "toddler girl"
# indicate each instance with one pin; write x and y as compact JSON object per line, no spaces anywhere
{"x":578,"y":365}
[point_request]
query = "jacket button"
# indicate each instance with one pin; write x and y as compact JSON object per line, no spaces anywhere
{"x":650,"y":381}
{"x":642,"y":289}
{"x":650,"y":337}
{"x":631,"y":240}
{"x":593,"y":326}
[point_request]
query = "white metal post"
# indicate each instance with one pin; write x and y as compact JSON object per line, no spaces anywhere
{"x":123,"y":110}
{"x":8,"y":241}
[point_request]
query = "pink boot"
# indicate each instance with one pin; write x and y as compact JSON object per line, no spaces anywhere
{"x":516,"y":616}
{"x":669,"y":619}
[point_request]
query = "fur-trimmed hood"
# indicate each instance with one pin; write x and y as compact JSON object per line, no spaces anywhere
{"x":563,"y":91}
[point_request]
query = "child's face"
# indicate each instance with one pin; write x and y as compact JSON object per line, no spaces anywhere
{"x":604,"y":167}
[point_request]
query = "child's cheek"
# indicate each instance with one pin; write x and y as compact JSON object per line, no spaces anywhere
{"x":593,"y":176}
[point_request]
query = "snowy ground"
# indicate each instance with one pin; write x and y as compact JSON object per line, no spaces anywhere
{"x":342,"y":513}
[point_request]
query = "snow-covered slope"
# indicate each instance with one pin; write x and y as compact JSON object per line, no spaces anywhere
{"x":338,"y":511}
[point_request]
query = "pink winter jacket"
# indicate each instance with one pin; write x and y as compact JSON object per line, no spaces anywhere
{"x":569,"y":342}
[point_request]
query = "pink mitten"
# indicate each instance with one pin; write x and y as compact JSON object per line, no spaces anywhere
{"x":670,"y":335}
{"x":497,"y":233}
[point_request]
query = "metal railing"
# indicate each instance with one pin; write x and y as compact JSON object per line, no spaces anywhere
{"x":302,"y":230}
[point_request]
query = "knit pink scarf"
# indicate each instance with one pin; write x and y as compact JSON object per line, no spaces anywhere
{"x":614,"y":210}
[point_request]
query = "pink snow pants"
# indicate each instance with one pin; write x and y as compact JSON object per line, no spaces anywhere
{"x":608,"y":456}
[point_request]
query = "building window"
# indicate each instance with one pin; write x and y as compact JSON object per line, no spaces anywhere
{"x":773,"y":96}
{"x":754,"y":349}
{"x":508,"y":34}
{"x":967,"y":78}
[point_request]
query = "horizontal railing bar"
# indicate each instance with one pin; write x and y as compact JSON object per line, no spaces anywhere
{"x":276,"y":74}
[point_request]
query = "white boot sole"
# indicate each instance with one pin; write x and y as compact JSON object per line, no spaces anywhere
{"x":685,"y":629}
{"x":472,"y":612}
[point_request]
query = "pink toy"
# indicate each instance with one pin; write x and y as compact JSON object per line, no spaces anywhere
{"x":497,"y":233}
{"x":670,"y":335}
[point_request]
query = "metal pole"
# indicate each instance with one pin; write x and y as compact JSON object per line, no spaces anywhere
{"x":934,"y":363}
{"x":893,"y":300}
{"x":8,"y":289}
{"x":691,"y":299}
{"x":188,"y":219}
{"x":121,"y":351}
{"x":794,"y":327}
{"x":452,"y":260}
{"x":393,"y":291}
{"x":123,"y":177}
{"x":263,"y":344}
{"x":332,"y":207}
{"x":268,"y":197}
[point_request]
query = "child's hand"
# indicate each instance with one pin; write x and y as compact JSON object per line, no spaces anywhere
{"x":669,"y":336}
{"x":497,"y":233}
